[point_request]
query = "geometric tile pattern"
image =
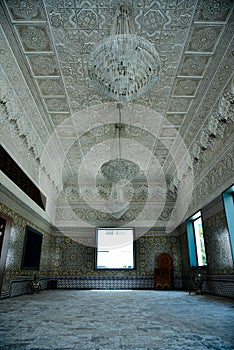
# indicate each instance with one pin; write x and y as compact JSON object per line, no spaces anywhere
{"x":216,"y":284}
{"x":108,"y":282}
{"x":20,"y":286}
{"x":218,"y":275}
{"x":219,"y":285}
{"x":71,"y":264}
{"x":75,"y":259}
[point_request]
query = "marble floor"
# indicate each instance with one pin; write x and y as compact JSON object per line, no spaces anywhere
{"x":112,"y":320}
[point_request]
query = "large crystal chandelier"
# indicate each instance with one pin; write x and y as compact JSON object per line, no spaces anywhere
{"x":124,"y":66}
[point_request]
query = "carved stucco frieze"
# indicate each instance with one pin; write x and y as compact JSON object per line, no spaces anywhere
{"x":16,"y":117}
{"x":22,"y":117}
{"x":34,"y":38}
{"x":193,"y":66}
{"x":214,"y":182}
{"x":226,"y":105}
{"x":77,"y":216}
{"x":51,"y":86}
{"x":17,"y":120}
{"x":204,"y":38}
{"x":213,"y":124}
{"x":3,"y":109}
{"x":78,"y":203}
{"x":223,"y":140}
{"x":213,"y":10}
{"x":25,"y":10}
{"x":141,"y":192}
{"x":16,"y":78}
{"x":205,"y":98}
{"x":218,"y":120}
{"x":43,"y":65}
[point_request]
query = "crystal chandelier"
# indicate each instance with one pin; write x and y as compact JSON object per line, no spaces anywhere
{"x":118,"y":168}
{"x":124,"y":66}
{"x":120,"y":172}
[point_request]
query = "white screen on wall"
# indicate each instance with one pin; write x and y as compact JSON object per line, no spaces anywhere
{"x":115,"y":248}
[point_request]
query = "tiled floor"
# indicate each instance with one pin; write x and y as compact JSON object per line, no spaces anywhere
{"x":79,"y":319}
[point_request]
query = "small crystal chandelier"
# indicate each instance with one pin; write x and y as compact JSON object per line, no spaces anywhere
{"x":118,"y":168}
{"x":120,"y":172}
{"x":124,"y":66}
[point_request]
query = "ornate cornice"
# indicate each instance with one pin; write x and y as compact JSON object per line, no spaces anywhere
{"x":220,"y":118}
{"x":218,"y":178}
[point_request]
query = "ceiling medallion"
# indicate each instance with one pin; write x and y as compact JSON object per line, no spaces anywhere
{"x":124,"y":66}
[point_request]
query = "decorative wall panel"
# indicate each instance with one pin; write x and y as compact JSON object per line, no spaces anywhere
{"x":76,"y":259}
{"x":105,"y":282}
{"x":13,"y":271}
{"x":218,"y":276}
{"x":218,"y":247}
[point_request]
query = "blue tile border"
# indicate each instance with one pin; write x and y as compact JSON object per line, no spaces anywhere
{"x":213,"y":284}
{"x":105,"y":282}
{"x":20,"y":286}
{"x":221,"y":285}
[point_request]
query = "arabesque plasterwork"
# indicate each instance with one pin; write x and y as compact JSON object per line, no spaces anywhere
{"x":46,"y":94}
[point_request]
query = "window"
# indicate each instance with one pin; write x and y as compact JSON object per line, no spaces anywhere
{"x":32,"y":249}
{"x":12,"y":170}
{"x":196,"y":244}
{"x":228,"y":200}
{"x":115,"y":248}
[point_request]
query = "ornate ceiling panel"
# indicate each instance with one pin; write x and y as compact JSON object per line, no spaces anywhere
{"x":62,"y":121}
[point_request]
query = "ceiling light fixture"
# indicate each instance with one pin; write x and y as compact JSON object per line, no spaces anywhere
{"x":120,"y":172}
{"x":118,"y":168}
{"x":124,"y":66}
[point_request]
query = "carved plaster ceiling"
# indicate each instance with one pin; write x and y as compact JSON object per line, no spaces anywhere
{"x":68,"y":128}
